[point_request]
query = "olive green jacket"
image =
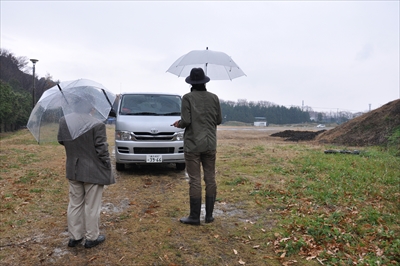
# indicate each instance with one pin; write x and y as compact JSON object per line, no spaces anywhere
{"x":200,"y":115}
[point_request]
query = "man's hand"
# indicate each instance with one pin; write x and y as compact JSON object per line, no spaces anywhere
{"x":176,"y":123}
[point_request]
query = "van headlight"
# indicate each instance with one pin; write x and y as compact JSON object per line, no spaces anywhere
{"x":178,"y":135}
{"x":124,"y":135}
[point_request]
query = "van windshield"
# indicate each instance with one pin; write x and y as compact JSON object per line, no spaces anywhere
{"x":150,"y":104}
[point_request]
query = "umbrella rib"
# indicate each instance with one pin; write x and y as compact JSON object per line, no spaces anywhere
{"x":58,"y":85}
{"x":38,"y":140}
{"x":108,"y":100}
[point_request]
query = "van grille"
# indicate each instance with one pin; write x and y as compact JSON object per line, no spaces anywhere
{"x":153,"y":150}
{"x":145,"y":136}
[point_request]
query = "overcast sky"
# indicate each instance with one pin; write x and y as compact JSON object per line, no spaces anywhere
{"x":329,"y":55}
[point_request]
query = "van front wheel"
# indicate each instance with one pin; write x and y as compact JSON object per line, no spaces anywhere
{"x":120,"y":166}
{"x":180,"y":166}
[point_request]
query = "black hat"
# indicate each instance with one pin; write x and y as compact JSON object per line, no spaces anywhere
{"x":197,"y":76}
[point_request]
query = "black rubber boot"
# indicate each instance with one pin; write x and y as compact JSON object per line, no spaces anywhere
{"x":195,"y":209}
{"x":209,"y":209}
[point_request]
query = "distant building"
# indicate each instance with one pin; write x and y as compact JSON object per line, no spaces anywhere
{"x":260,"y":121}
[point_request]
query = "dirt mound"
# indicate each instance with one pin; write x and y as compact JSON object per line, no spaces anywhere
{"x":295,"y":135}
{"x":372,"y":128}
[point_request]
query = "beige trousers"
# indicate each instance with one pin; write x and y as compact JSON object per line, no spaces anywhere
{"x":84,"y":210}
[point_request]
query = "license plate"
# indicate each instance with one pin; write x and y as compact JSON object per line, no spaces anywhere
{"x":153,"y":158}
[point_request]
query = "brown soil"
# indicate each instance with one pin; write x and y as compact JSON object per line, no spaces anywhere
{"x":372,"y":128}
{"x":292,"y":135}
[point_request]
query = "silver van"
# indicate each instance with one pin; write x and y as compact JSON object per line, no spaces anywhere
{"x":143,"y":130}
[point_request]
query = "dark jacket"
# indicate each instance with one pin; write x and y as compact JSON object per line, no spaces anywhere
{"x":200,"y":115}
{"x":88,"y":158}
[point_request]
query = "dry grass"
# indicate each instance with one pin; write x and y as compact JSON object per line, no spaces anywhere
{"x":141,"y":212}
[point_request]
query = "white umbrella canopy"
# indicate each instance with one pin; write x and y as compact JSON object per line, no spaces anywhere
{"x":216,"y":65}
{"x":77,"y":101}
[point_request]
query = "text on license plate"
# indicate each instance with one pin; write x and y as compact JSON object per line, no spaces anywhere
{"x":153,"y":158}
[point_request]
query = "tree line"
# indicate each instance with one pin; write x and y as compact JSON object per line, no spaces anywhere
{"x":247,"y":112}
{"x":16,"y":87}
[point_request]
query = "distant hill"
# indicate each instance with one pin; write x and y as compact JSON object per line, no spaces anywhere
{"x":12,"y":72}
{"x":16,"y":90}
{"x":372,"y":128}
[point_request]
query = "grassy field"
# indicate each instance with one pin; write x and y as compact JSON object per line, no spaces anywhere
{"x":278,"y":203}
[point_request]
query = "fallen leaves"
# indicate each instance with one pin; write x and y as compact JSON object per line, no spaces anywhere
{"x":289,"y":262}
{"x":151,"y":208}
{"x":241,"y":262}
{"x":147,"y":183}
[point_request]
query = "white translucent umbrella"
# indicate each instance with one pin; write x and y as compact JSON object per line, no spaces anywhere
{"x":216,"y":65}
{"x":82,"y":103}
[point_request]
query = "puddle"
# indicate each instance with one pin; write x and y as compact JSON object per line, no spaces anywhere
{"x":58,"y":252}
{"x":111,"y":208}
{"x":223,"y":209}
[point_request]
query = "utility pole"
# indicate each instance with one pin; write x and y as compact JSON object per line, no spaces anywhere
{"x":337,"y":115}
{"x":33,"y":89}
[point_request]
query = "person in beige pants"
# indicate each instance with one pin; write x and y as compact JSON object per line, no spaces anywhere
{"x":84,"y":210}
{"x":88,"y":169}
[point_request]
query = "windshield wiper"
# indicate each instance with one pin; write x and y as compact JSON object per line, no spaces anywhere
{"x":172,"y":113}
{"x":143,"y":113}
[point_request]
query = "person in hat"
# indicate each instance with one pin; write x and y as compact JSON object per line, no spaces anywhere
{"x":200,"y":115}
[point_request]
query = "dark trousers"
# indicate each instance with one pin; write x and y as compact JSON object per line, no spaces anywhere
{"x":194,"y":161}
